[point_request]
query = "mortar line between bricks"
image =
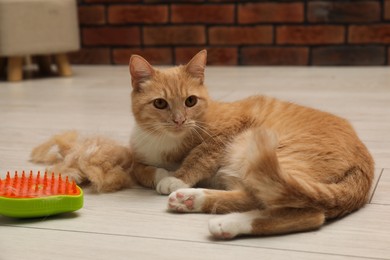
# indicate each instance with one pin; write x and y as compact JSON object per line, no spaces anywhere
{"x":173,"y":54}
{"x":206,"y":36}
{"x":141,"y":37}
{"x":169,"y":13}
{"x":239,"y":55}
{"x":235,"y":13}
{"x":346,"y":33}
{"x":305,"y":13}
{"x":382,"y":7}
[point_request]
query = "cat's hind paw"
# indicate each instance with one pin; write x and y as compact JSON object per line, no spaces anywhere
{"x":170,"y":184}
{"x":186,"y":200}
{"x":221,"y":228}
{"x":233,"y":224}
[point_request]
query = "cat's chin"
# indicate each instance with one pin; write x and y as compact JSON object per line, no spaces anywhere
{"x":177,"y":131}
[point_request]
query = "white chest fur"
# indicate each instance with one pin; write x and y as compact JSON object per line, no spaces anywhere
{"x":153,"y":148}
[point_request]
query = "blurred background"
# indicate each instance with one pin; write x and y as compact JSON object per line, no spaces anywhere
{"x":235,"y":32}
{"x":49,"y":34}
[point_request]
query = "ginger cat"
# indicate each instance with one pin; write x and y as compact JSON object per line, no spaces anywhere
{"x":275,"y":166}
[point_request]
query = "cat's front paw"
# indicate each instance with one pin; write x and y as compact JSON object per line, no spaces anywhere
{"x":161,"y":174}
{"x":186,"y":200}
{"x":170,"y":184}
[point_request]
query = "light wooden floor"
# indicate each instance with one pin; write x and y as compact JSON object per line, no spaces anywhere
{"x":133,"y":224}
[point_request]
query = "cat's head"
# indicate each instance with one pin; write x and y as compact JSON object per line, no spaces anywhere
{"x":169,"y":101}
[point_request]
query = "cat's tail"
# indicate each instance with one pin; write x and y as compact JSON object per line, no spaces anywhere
{"x":278,"y":188}
{"x":54,"y":149}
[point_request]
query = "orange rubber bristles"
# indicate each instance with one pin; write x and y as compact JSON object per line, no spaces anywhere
{"x":36,"y":186}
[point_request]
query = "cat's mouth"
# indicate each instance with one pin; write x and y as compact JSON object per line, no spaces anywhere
{"x":178,"y":128}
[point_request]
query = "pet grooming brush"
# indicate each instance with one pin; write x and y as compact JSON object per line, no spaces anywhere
{"x":38,"y":196}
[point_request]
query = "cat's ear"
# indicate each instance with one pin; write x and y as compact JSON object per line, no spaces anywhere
{"x":140,"y":70}
{"x":197,"y":65}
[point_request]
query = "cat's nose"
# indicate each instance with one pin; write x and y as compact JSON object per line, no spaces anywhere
{"x":179,"y":121}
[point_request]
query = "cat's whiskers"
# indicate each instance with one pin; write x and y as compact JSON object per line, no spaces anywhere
{"x":150,"y":129}
{"x":190,"y":125}
{"x":214,"y":138}
{"x":193,"y":129}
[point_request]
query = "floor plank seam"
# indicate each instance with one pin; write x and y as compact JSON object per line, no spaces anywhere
{"x":380,"y":204}
{"x":221,"y":243}
{"x":376,"y":186}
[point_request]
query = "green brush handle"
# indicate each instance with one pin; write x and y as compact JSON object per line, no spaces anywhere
{"x":40,"y":206}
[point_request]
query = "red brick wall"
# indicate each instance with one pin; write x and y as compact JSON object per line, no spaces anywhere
{"x":306,"y":32}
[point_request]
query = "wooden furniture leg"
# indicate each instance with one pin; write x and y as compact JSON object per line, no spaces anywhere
{"x":63,"y":65}
{"x":14,"y":69}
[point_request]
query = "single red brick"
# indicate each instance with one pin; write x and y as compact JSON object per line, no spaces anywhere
{"x":92,"y":14}
{"x":343,"y":12}
{"x":312,"y":35}
{"x":156,"y":56}
{"x":348,"y":55}
{"x":270,"y":12}
{"x":240,"y":35}
{"x":118,"y":14}
{"x":167,"y":35}
{"x":111,"y":36}
{"x":377,"y":33}
{"x":275,"y":56}
{"x":215,"y":55}
{"x":91,"y":56}
{"x":202,"y":13}
{"x":387,"y":10}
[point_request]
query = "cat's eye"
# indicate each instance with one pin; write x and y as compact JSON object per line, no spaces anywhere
{"x":160,"y":103}
{"x":191,"y":101}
